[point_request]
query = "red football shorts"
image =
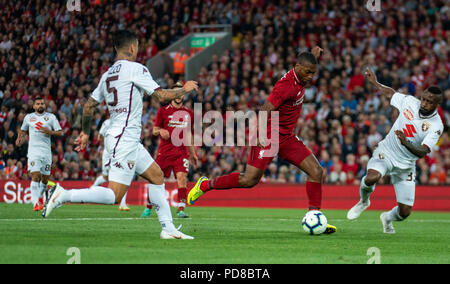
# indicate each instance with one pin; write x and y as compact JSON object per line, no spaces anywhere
{"x":291,"y":149}
{"x":176,"y":163}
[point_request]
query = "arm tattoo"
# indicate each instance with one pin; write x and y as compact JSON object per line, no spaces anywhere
{"x":165,"y":95}
{"x":88,"y":114}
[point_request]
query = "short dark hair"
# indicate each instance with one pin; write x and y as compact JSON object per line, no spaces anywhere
{"x":306,"y":57}
{"x":123,"y":38}
{"x":435,"y":90}
{"x":37,"y":99}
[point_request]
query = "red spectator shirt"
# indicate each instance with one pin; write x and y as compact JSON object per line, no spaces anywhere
{"x":164,"y":119}
{"x":287,"y":98}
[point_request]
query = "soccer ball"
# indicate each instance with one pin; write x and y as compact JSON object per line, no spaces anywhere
{"x":314,"y":222}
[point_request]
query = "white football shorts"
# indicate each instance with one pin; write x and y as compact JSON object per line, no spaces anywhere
{"x":127,"y":159}
{"x":402,"y":179}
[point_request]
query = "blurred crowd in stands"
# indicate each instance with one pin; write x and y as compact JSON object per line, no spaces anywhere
{"x":48,"y":51}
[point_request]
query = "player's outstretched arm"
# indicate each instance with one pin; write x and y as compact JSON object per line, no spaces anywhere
{"x":372,"y":78}
{"x":166,"y":95}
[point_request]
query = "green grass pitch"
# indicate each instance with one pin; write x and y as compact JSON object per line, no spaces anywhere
{"x":102,"y":234}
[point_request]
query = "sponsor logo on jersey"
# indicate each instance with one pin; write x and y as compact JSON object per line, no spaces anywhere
{"x":408,"y":114}
{"x":118,"y":165}
{"x":39,"y":125}
{"x":33,"y":119}
{"x":409,"y":130}
{"x":425,"y":126}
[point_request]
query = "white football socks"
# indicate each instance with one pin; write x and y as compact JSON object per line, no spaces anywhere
{"x":157,"y":195}
{"x":394,"y":215}
{"x":123,"y":202}
{"x":365,"y":190}
{"x":95,"y":194}
{"x":99,"y":180}
{"x":35,"y":188}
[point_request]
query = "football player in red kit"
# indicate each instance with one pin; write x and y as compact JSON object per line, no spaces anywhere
{"x":286,"y":98}
{"x":171,"y":157}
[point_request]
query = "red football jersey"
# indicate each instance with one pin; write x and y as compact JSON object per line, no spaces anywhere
{"x":287,"y":98}
{"x":165,"y":119}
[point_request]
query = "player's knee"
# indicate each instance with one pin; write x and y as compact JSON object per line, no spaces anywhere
{"x":36,"y":177}
{"x":372,"y":178}
{"x":158,"y":177}
{"x":249,"y":182}
{"x":317,"y":173}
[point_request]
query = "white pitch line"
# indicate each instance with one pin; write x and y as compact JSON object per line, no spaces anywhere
{"x":205,"y":218}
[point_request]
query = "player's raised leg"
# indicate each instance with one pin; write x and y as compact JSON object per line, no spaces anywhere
{"x":96,"y":194}
{"x":248,"y":179}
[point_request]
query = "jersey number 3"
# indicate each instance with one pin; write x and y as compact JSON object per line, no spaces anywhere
{"x":409,"y":130}
{"x":112,"y":90}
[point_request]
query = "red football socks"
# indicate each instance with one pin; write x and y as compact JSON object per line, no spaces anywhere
{"x":182,"y":196}
{"x":222,"y":182}
{"x":314,"y":192}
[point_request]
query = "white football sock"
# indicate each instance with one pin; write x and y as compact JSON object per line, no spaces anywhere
{"x":157,"y":195}
{"x":35,"y":192}
{"x":95,"y":194}
{"x":365,"y":190}
{"x":123,"y":202}
{"x":394,"y":215}
{"x":43,"y":187}
{"x":99,"y":180}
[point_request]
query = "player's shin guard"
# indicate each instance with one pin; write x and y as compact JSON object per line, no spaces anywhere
{"x":157,"y":195}
{"x":314,"y":192}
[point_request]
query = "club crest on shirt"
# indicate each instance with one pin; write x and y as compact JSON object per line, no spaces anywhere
{"x":408,"y":114}
{"x":131,"y":164}
{"x":425,"y":126}
{"x":46,"y":118}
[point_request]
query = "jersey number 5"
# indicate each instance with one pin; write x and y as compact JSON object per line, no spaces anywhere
{"x":112,"y":90}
